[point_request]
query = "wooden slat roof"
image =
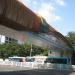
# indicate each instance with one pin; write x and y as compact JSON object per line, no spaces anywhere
{"x":20,"y":17}
{"x":15,"y":15}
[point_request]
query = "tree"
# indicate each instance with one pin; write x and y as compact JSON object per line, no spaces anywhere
{"x":8,"y":49}
{"x":15,"y":49}
{"x":71,"y":37}
{"x":2,"y":51}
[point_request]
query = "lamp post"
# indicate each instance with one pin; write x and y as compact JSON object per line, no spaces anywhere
{"x":31,"y":50}
{"x":0,"y":38}
{"x":30,"y":40}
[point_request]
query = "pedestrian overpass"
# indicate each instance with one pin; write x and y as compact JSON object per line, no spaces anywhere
{"x":19,"y":22}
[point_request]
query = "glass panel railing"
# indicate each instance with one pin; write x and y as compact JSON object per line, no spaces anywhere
{"x":47,"y":39}
{"x":54,"y":43}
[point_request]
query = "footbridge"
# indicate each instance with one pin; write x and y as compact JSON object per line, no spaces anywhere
{"x":19,"y":22}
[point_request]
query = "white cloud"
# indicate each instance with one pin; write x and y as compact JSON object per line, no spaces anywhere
{"x":34,"y":2}
{"x":46,"y":9}
{"x":57,"y":18}
{"x":60,"y":2}
{"x":48,"y":12}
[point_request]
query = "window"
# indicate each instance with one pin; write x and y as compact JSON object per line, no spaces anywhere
{"x":9,"y":40}
{"x":30,"y":59}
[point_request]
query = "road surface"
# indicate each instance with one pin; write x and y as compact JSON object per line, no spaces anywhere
{"x":38,"y":72}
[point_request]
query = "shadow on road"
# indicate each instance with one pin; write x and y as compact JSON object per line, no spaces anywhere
{"x":39,"y":72}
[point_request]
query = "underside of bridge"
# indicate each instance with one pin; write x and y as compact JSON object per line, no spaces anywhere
{"x":15,"y":15}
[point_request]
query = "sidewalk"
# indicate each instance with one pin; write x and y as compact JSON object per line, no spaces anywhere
{"x":12,"y":68}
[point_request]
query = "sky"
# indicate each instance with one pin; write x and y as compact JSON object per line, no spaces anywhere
{"x":60,"y":14}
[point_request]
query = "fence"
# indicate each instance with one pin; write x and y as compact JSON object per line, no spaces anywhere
{"x":35,"y":65}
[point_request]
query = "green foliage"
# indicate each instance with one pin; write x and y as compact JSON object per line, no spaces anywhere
{"x":73,"y":57}
{"x":71,"y":37}
{"x":39,"y":50}
{"x":74,"y":48}
{"x":15,"y":49}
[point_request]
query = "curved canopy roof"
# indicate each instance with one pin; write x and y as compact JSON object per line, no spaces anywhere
{"x":15,"y":15}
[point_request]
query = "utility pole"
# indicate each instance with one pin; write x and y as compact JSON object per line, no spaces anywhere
{"x":31,"y":50}
{"x":0,"y":38}
{"x":49,"y":51}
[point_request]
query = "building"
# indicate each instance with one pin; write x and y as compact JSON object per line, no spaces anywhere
{"x":4,"y":39}
{"x":20,"y":23}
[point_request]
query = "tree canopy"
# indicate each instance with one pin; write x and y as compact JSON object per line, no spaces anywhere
{"x":71,"y":37}
{"x":15,"y":49}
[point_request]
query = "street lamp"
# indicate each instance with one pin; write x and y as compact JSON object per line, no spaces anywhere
{"x":31,"y":50}
{"x":0,"y":38}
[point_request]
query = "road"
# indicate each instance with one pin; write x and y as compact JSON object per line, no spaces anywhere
{"x":38,"y":72}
